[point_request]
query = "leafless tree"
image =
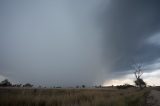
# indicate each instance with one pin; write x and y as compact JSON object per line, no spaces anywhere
{"x":138,"y":73}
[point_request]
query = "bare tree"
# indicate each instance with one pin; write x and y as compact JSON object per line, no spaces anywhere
{"x":138,"y":73}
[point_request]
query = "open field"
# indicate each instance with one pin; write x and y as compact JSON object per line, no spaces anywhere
{"x":72,"y":97}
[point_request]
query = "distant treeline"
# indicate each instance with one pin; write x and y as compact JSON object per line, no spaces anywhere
{"x":7,"y":83}
{"x":125,"y":86}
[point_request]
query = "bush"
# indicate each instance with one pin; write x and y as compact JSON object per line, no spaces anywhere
{"x":125,"y":86}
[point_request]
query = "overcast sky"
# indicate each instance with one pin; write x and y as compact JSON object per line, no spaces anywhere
{"x":69,"y":43}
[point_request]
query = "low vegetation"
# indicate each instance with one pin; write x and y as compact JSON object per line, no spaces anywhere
{"x":125,"y":86}
{"x":71,"y":97}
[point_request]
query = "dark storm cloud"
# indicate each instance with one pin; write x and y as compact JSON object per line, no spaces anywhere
{"x":127,"y":25}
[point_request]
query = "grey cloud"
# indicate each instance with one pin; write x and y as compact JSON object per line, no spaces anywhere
{"x":154,"y":39}
{"x":127,"y":25}
{"x":50,"y":42}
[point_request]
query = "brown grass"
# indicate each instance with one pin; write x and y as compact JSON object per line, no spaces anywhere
{"x":71,"y":97}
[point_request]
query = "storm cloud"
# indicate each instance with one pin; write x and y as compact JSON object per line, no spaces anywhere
{"x":128,"y":26}
{"x":69,"y":43}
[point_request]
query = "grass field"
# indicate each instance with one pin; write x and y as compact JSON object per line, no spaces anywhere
{"x":71,"y":97}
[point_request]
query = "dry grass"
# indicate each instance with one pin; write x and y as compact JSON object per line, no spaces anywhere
{"x":71,"y":97}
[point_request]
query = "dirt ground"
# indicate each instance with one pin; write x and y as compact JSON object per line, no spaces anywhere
{"x":153,"y":98}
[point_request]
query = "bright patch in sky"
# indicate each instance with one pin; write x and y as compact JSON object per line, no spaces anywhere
{"x":154,"y":39}
{"x":2,"y":77}
{"x":152,"y":78}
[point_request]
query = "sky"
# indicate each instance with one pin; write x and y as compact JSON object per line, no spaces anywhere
{"x":69,"y":43}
